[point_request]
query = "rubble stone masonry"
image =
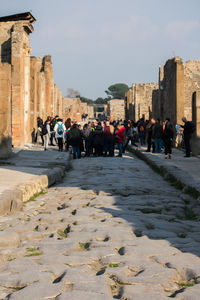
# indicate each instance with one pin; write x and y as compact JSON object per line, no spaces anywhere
{"x":177,"y":83}
{"x":116,"y":109}
{"x":139,"y":101}
{"x":73,"y":108}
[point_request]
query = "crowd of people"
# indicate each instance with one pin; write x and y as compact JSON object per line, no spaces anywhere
{"x":101,"y":138}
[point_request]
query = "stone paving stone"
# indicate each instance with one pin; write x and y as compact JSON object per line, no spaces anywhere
{"x":9,"y":239}
{"x":112,"y":228}
{"x":38,"y":291}
{"x":77,"y":295}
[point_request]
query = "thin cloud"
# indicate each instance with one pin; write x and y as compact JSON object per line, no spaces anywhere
{"x":136,"y":28}
{"x":181,"y":29}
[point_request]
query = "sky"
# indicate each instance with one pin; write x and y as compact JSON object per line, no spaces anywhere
{"x":97,"y":43}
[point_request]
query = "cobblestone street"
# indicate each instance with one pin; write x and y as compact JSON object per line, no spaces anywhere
{"x":112,"y":229}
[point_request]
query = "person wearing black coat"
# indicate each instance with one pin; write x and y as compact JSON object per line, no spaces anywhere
{"x":75,"y":139}
{"x":187,"y":133}
{"x":168,"y":135}
{"x":97,"y":140}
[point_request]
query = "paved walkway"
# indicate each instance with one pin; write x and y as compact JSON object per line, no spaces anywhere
{"x":185,"y":170}
{"x":113,"y":229}
{"x":29,"y":172}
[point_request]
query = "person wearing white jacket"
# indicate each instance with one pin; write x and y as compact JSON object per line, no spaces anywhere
{"x":60,"y":131}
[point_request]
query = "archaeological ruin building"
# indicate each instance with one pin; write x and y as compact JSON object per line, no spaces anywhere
{"x":177,"y":94}
{"x":27,"y":88}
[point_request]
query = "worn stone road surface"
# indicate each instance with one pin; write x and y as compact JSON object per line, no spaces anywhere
{"x":113,"y":229}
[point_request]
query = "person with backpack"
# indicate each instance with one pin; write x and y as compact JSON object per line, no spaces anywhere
{"x":157,"y":135}
{"x":59,"y":131}
{"x":189,"y":129}
{"x":142,"y":131}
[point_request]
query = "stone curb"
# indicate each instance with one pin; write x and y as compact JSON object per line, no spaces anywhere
{"x":189,"y":185}
{"x":12,"y":200}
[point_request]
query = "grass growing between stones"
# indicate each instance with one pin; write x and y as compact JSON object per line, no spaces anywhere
{"x":63,"y":233}
{"x":118,"y":281}
{"x":33,"y":252}
{"x":186,"y":284}
{"x":113,"y":265}
{"x":183,"y":286}
{"x":33,"y":198}
{"x":192,"y":192}
{"x":31,"y":249}
{"x":84,"y":246}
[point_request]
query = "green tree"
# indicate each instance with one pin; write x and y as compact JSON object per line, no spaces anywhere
{"x":117,"y":91}
{"x":100,"y":100}
{"x":87,"y":100}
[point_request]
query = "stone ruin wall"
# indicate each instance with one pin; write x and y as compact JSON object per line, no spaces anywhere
{"x":27,"y":87}
{"x":88,"y":109}
{"x":142,"y":94}
{"x":116,"y":109}
{"x":177,"y":83}
{"x":45,"y":97}
{"x":129,"y":105}
{"x":191,"y":84}
{"x":139,"y":101}
{"x":5,"y":110}
{"x":195,"y":145}
{"x":73,"y":108}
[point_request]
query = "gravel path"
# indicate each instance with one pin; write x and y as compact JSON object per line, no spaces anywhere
{"x":113,"y":229}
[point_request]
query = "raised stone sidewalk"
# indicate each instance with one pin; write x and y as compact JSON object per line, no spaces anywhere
{"x":184,"y":172}
{"x":29,"y":173}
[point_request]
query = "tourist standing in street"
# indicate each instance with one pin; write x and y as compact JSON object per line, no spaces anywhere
{"x":97,"y":140}
{"x":59,"y":131}
{"x":52,"y":125}
{"x":75,"y":139}
{"x":120,"y":135}
{"x":157,"y":135}
{"x":149,"y":130}
{"x":189,"y":128}
{"x":128,"y":136}
{"x":39,"y":130}
{"x":87,"y":135}
{"x":108,"y":138}
{"x":168,"y":135}
{"x":141,"y":130}
{"x":46,"y":133}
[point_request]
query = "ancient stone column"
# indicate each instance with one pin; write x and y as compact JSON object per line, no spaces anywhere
{"x":179,"y":90}
{"x":195,"y":144}
{"x":48,"y":74}
{"x":5,"y":110}
{"x":20,"y":61}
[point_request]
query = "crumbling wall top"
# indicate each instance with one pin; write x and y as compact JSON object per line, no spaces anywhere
{"x":27,"y":16}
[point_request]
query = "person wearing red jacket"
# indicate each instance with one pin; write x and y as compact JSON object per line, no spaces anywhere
{"x":120,"y":134}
